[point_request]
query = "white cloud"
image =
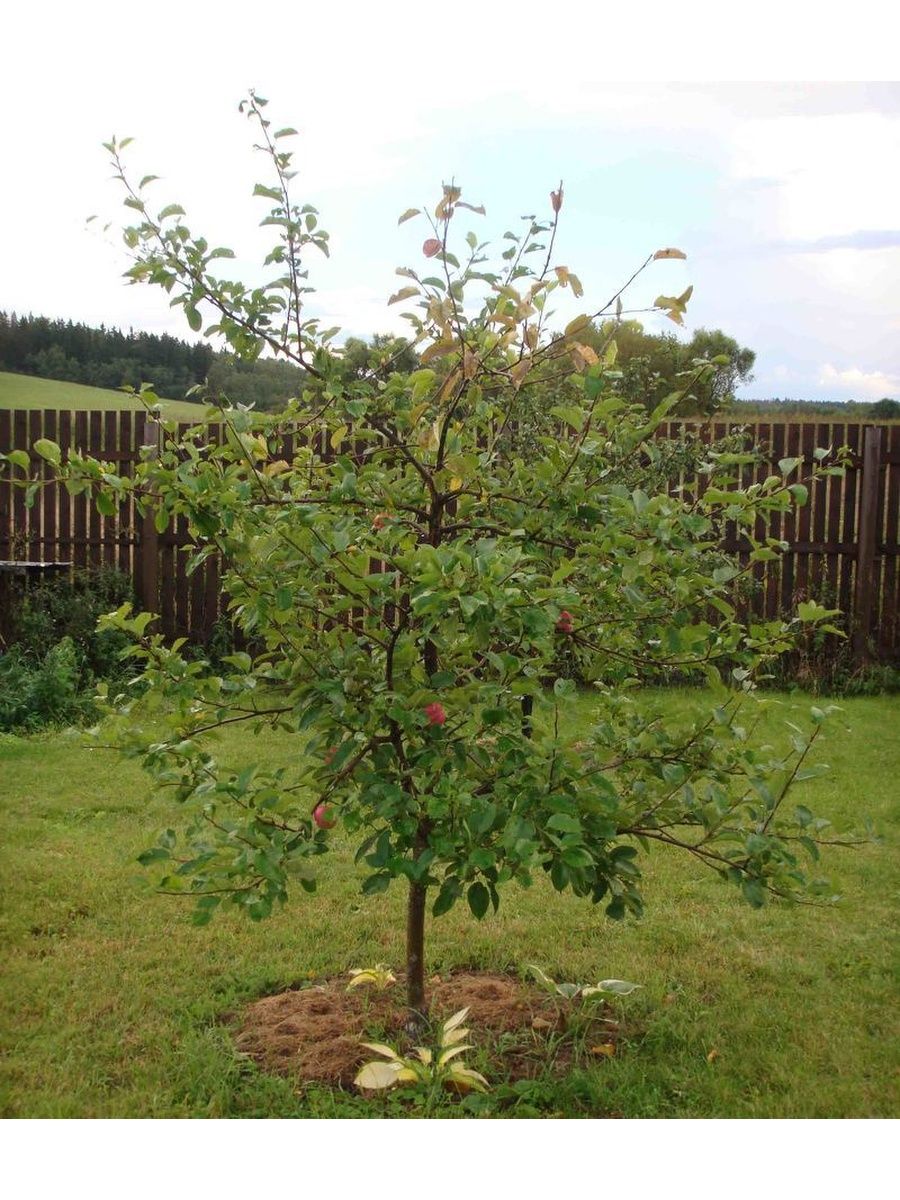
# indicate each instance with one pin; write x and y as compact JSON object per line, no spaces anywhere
{"x":832,"y":174}
{"x":855,"y":383}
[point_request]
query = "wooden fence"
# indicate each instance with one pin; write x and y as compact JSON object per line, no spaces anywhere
{"x":843,"y":545}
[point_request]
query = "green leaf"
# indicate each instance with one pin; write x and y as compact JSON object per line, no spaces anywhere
{"x":478,"y":898}
{"x":800,"y":492}
{"x":269,"y":193}
{"x":47,"y":450}
{"x":563,"y":823}
{"x":375,"y":884}
{"x":447,"y":896}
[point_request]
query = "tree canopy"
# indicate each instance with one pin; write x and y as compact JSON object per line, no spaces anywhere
{"x":417,"y":577}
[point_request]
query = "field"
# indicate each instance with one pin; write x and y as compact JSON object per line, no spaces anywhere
{"x":29,"y":392}
{"x":113,"y":1005}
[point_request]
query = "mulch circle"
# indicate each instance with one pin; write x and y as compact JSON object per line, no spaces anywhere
{"x":313,"y":1034}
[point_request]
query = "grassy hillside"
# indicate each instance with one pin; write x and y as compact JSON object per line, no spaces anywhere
{"x":27,"y":391}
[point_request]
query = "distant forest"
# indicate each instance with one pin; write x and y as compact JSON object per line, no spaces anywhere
{"x":108,"y":358}
{"x":105,"y":358}
{"x":650,"y":365}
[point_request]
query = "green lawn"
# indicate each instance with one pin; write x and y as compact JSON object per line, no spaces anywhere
{"x":27,"y":391}
{"x":113,"y":1005}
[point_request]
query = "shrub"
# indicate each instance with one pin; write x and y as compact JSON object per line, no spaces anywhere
{"x":57,"y":654}
{"x":50,"y":690}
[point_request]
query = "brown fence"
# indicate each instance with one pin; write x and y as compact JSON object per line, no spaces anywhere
{"x":843,"y":545}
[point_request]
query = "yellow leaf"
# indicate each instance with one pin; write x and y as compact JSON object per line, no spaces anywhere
{"x":541,"y":1023}
{"x":669,"y":252}
{"x":455,"y":483}
{"x":403,"y":294}
{"x":436,"y":349}
{"x":430,"y":437}
{"x":712,"y":1056}
{"x":587,"y":353}
{"x":448,"y":385}
{"x":519,"y":373}
{"x":278,"y":467}
{"x":606,"y":1050}
{"x":577,"y":326}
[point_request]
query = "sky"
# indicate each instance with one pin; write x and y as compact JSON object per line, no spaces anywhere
{"x":782,"y":194}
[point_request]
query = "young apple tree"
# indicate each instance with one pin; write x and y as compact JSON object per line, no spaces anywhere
{"x":409,"y":556}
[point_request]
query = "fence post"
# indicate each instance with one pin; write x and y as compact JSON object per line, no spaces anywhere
{"x":148,"y":435}
{"x":867,"y":534}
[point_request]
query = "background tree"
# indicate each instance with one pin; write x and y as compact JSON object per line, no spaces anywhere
{"x":384,"y":354}
{"x":654,"y":364}
{"x":410,"y":578}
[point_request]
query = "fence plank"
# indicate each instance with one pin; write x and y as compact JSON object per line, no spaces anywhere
{"x":38,"y":467}
{"x":6,"y":485}
{"x":866,"y":593}
{"x":887,"y":625}
{"x":64,"y":546}
{"x":80,"y":502}
{"x":49,"y":497}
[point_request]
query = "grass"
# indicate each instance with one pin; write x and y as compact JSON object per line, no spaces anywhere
{"x":29,"y":392}
{"x":113,"y":1005}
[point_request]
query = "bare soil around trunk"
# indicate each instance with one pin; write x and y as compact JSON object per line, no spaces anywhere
{"x":314,"y":1034}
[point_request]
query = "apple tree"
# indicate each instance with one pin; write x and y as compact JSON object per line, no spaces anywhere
{"x":409,"y":576}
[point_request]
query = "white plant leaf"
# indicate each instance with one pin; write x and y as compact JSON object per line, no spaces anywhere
{"x":452,"y":1053}
{"x":425,"y":1056}
{"x":455,"y":1035}
{"x":379,"y":1048}
{"x":619,"y":987}
{"x":377,"y":1076}
{"x":542,"y":977}
{"x":466,"y":1078}
{"x":457,"y":1019}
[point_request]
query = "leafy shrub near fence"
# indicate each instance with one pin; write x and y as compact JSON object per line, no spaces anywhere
{"x":57,"y":655}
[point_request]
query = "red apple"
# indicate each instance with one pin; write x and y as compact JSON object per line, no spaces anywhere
{"x":564,"y":624}
{"x":323,"y":818}
{"x":435,"y":713}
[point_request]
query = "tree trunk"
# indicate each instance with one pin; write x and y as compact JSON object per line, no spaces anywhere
{"x":415,"y":956}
